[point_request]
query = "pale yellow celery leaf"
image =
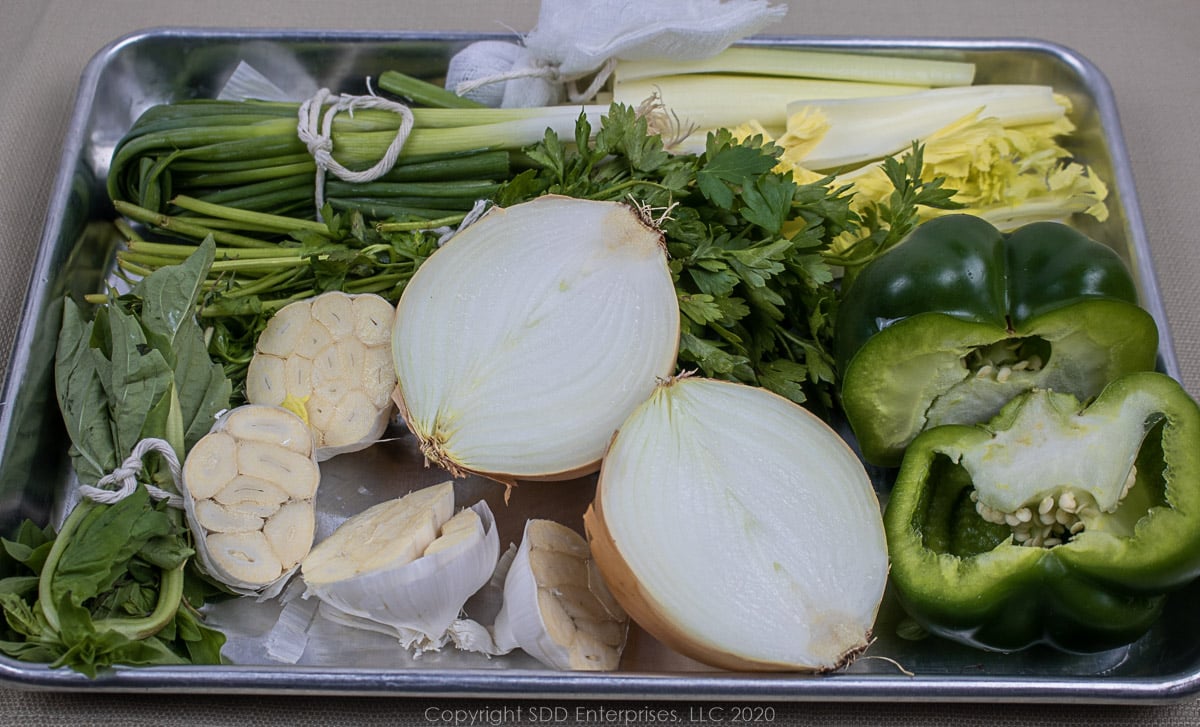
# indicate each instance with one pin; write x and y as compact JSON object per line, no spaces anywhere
{"x":1012,"y":175}
{"x":787,"y":164}
{"x":805,"y":129}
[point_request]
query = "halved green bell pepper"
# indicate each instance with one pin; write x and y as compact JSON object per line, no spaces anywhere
{"x":959,"y":318}
{"x":1054,"y":523}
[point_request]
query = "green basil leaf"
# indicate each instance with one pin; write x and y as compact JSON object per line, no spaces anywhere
{"x":169,"y":295}
{"x":140,"y":376}
{"x":82,"y":398}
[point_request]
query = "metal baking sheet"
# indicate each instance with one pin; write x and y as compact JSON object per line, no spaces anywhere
{"x":75,"y":256}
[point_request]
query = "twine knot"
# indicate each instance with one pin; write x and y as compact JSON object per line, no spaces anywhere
{"x":315,"y":129}
{"x":124,"y":477}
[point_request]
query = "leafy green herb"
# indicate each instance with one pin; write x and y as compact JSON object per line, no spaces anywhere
{"x":886,"y":224}
{"x":109,"y":587}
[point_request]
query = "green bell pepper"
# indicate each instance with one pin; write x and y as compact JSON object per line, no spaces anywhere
{"x":1053,"y":523}
{"x":959,"y":318}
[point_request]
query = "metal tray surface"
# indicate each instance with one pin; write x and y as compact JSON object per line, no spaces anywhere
{"x":75,"y":256}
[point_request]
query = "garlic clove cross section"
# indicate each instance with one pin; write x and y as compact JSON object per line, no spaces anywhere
{"x":249,"y":487}
{"x":405,"y":567}
{"x":740,"y":530}
{"x":329,"y":359}
{"x":557,"y":607}
{"x":523,"y":342}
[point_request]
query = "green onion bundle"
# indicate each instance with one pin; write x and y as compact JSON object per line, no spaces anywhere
{"x":249,"y":155}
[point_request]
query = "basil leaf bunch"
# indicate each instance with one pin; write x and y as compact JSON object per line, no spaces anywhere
{"x":114,"y":584}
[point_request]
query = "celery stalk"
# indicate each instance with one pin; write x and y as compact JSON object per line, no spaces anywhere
{"x":831,"y":65}
{"x":703,"y":101}
{"x":863,"y":129}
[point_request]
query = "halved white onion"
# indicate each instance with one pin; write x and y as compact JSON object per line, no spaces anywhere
{"x":739,"y":529}
{"x":405,"y":567}
{"x":522,"y":343}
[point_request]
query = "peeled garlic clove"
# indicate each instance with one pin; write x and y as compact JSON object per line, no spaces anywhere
{"x":249,"y":487}
{"x":244,"y":557}
{"x":289,"y":531}
{"x":255,"y":495}
{"x":406,"y":566}
{"x":216,"y":518}
{"x":555,"y":607}
{"x":329,"y":357}
{"x":523,"y":342}
{"x":209,"y":468}
{"x":464,"y":528}
{"x":739,"y":529}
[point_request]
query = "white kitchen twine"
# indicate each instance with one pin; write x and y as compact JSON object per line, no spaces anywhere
{"x":447,"y":232}
{"x":316,"y":131}
{"x":548,"y":72}
{"x":126,"y":476}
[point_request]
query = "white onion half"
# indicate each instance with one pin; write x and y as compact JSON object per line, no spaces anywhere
{"x":739,"y":529}
{"x":522,"y":344}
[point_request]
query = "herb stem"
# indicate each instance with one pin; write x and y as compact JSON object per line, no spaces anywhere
{"x":175,"y":224}
{"x":277,"y":222}
{"x":46,"y":579}
{"x":415,"y":225}
{"x":169,"y":597}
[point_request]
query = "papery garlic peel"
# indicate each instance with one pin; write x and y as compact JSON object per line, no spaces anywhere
{"x":557,"y":607}
{"x":739,"y":529}
{"x":521,"y":344}
{"x":406,"y":566}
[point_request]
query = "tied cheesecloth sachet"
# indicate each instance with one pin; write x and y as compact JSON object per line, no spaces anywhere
{"x":573,"y":40}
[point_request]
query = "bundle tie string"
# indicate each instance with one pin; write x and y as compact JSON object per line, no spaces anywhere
{"x":549,"y":73}
{"x":445,"y":233}
{"x":125,"y":476}
{"x":315,"y":129}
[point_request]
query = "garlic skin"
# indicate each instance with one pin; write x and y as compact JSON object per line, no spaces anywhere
{"x":249,"y":487}
{"x":557,"y":607}
{"x":405,"y":567}
{"x":523,"y":342}
{"x":329,"y":359}
{"x":740,"y":530}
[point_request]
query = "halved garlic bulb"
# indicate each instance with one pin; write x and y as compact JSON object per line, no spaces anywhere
{"x":557,"y":607}
{"x":523,"y":342}
{"x":740,"y":529}
{"x":405,"y":567}
{"x":248,"y":488}
{"x":329,"y":359}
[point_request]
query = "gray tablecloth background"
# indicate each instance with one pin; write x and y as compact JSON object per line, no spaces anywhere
{"x":1149,"y":50}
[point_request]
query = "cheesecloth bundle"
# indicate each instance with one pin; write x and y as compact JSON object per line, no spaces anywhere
{"x":575,"y":39}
